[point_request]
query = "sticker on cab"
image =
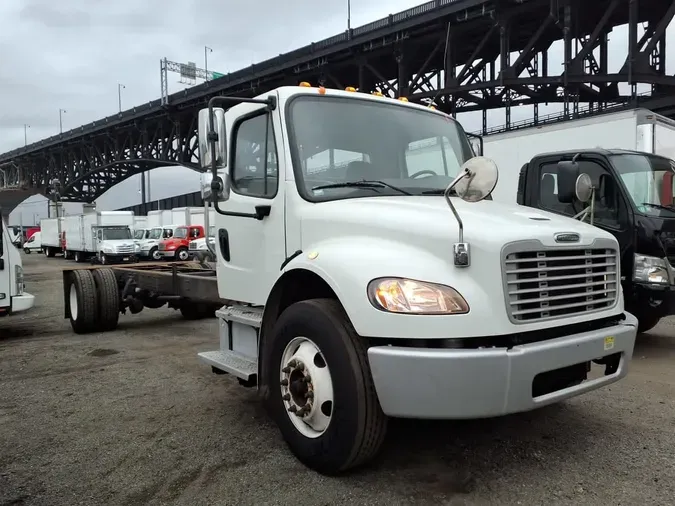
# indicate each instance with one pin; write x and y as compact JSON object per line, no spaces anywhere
{"x":609,"y":342}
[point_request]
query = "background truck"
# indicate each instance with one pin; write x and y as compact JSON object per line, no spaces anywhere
{"x":105,"y":235}
{"x":359,"y":281}
{"x":34,"y":243}
{"x":52,"y":235}
{"x":628,"y":156}
{"x":156,"y":221}
{"x":13,"y":298}
{"x":188,"y":225}
{"x":140,"y":222}
{"x":199,"y":248}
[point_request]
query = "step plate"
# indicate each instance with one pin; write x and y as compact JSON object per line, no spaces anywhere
{"x":242,"y":314}
{"x":230,"y":362}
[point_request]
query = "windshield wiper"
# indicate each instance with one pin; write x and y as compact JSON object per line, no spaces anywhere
{"x":659,"y":206}
{"x":438,"y":191}
{"x":361,"y":184}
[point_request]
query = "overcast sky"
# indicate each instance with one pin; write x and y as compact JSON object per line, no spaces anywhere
{"x":71,"y":55}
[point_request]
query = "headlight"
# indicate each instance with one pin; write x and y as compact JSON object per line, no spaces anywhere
{"x":398,"y":295}
{"x":108,"y":250}
{"x":650,"y":270}
{"x":18,"y":274}
{"x":137,"y":248}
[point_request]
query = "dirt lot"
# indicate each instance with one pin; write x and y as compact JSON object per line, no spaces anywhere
{"x":132,"y":417}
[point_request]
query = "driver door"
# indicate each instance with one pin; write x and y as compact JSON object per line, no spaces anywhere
{"x":251,"y":251}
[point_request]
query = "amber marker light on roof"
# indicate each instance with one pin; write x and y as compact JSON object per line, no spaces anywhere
{"x":305,"y":84}
{"x":350,"y":88}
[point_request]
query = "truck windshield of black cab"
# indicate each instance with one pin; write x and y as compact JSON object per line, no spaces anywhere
{"x":648,"y":181}
{"x":354,"y":147}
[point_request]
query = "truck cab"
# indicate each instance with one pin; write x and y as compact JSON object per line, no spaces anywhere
{"x":13,"y":298}
{"x":114,"y":243}
{"x":632,"y":198}
{"x":178,"y":245}
{"x":369,"y":275}
{"x":199,"y":247}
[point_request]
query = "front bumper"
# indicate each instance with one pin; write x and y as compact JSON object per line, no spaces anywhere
{"x":167,"y":253}
{"x":22,"y":302}
{"x":481,"y":383}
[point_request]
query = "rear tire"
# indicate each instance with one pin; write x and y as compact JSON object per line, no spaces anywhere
{"x":357,"y":425}
{"x":108,"y":299}
{"x":83,"y":302}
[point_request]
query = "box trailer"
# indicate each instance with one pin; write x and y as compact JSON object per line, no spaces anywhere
{"x":105,"y":235}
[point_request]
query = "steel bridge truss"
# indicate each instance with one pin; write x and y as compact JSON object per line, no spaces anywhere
{"x":461,"y":55}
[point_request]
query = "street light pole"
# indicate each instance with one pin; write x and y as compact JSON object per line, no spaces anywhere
{"x":61,"y":111}
{"x":25,"y":134}
{"x":349,"y":14}
{"x":119,"y":94}
{"x":207,"y":50}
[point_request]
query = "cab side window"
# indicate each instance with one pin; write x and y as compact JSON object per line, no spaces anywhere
{"x":609,"y":206}
{"x":255,"y":171}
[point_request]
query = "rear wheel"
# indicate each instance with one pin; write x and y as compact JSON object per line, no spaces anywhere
{"x":83,"y":302}
{"x":321,"y":392}
{"x":108,"y":299}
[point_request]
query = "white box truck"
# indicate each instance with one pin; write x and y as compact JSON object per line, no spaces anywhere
{"x":52,"y":237}
{"x":105,"y":235}
{"x":13,"y":298}
{"x":628,"y":156}
{"x":359,"y":281}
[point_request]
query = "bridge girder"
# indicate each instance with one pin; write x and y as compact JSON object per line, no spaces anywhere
{"x":462,"y":55}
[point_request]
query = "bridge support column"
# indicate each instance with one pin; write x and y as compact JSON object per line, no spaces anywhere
{"x":55,"y":209}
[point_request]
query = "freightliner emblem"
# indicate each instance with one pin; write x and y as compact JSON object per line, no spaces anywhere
{"x":567,"y":237}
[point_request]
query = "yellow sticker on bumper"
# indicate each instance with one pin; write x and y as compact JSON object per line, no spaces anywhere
{"x":609,"y":342}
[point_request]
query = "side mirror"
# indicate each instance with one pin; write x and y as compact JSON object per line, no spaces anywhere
{"x":476,"y":142}
{"x":207,"y":188}
{"x":206,"y":156}
{"x":583,"y":188}
{"x":479,"y":181}
{"x":568,"y":172}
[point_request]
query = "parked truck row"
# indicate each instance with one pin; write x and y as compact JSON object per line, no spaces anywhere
{"x":367,"y":269}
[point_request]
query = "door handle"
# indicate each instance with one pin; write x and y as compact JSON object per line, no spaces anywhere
{"x":224,"y":243}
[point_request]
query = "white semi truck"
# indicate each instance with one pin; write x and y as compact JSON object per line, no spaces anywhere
{"x":364,"y":273}
{"x":628,"y":156}
{"x":13,"y":297}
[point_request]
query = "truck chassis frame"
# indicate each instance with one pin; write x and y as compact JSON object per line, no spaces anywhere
{"x":94,"y":296}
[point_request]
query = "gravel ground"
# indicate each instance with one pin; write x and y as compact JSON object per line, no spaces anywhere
{"x":132,"y":417}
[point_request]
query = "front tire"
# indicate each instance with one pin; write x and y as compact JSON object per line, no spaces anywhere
{"x":345,"y":427}
{"x":154,"y":253}
{"x":182,"y":255}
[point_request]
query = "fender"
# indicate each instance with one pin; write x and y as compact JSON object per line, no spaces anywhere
{"x":348,"y":264}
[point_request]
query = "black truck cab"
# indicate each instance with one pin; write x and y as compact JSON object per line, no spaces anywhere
{"x":631,"y":196}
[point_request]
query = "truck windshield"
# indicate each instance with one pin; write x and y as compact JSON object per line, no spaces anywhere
{"x":112,"y":234}
{"x":181,"y":233}
{"x":139,"y":234}
{"x":155,"y":233}
{"x":649,"y":181}
{"x":336,"y":140}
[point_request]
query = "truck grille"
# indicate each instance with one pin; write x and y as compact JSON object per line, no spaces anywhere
{"x":193,"y":245}
{"x":124,"y":249}
{"x":548,"y":284}
{"x":161,"y":246}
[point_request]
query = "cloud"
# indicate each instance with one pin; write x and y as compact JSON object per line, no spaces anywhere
{"x":71,"y":54}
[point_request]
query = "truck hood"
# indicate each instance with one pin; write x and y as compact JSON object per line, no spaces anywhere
{"x":427,"y":222}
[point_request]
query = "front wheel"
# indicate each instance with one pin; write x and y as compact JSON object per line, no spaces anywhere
{"x":26,"y":251}
{"x":154,"y":253}
{"x":182,"y":254}
{"x":647,"y":322}
{"x":321,"y":392}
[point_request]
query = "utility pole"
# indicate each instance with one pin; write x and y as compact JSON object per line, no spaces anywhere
{"x":25,"y":134}
{"x":349,"y":14}
{"x":207,"y":50}
{"x":61,"y":111}
{"x":119,"y":94}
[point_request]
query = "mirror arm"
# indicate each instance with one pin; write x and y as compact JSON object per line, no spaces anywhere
{"x":460,"y":249}
{"x":212,"y":137}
